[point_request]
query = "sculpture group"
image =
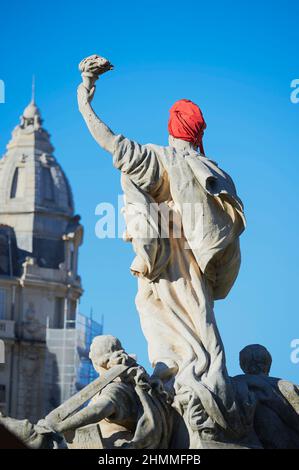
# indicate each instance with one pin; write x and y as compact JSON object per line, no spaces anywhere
{"x":184,"y":219}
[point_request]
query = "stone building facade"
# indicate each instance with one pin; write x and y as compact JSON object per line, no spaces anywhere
{"x":40,"y":237}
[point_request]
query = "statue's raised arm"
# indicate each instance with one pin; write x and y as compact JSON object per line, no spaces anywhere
{"x":141,"y":162}
{"x":91,"y":68}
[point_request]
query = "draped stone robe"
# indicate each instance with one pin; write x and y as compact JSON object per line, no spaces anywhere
{"x":179,"y":277}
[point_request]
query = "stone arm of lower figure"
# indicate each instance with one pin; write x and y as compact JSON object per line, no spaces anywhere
{"x":93,"y":413}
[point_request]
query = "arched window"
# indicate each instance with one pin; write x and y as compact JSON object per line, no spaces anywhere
{"x":69,"y":192}
{"x":18,"y":183}
{"x":48,"y":185}
{"x":72,"y":257}
{"x":14,"y":185}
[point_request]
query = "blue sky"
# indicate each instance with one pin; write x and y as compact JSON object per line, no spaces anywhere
{"x":236,"y":60}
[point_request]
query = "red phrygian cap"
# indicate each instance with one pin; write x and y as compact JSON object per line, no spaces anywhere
{"x":186,"y":122}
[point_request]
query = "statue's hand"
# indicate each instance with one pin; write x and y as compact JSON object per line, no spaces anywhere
{"x":51,"y":423}
{"x":84,"y":96}
{"x":42,"y":427}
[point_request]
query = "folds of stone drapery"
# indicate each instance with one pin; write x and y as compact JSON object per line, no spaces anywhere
{"x":177,"y":285}
{"x":143,"y":229}
{"x":177,"y":319}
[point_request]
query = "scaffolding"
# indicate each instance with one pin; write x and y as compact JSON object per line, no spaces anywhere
{"x":69,"y":368}
{"x":87,"y":329}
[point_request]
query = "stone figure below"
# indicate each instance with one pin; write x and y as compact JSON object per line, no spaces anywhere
{"x":120,"y":409}
{"x":127,"y":409}
{"x":124,"y":409}
{"x":184,"y":220}
{"x":269,"y":405}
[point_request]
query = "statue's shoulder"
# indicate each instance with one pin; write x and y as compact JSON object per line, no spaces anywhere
{"x":159,"y":150}
{"x":118,"y":389}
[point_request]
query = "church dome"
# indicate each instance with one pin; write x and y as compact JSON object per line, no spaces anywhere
{"x":35,"y":196}
{"x":30,"y":175}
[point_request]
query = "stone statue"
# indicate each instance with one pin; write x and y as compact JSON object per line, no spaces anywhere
{"x":129,"y":410}
{"x":124,"y":410}
{"x":270,"y":406}
{"x":34,"y":436}
{"x":184,"y":220}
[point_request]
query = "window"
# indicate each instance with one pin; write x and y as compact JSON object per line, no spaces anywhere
{"x":58,"y":320}
{"x":72,"y":257}
{"x":2,"y":304}
{"x":73,"y":310}
{"x":18,"y":183}
{"x":14,"y":186}
{"x":2,"y":394}
{"x":69,"y":193}
{"x":48,"y":184}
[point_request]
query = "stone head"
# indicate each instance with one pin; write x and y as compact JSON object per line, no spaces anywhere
{"x":255,"y":359}
{"x":101,"y":349}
